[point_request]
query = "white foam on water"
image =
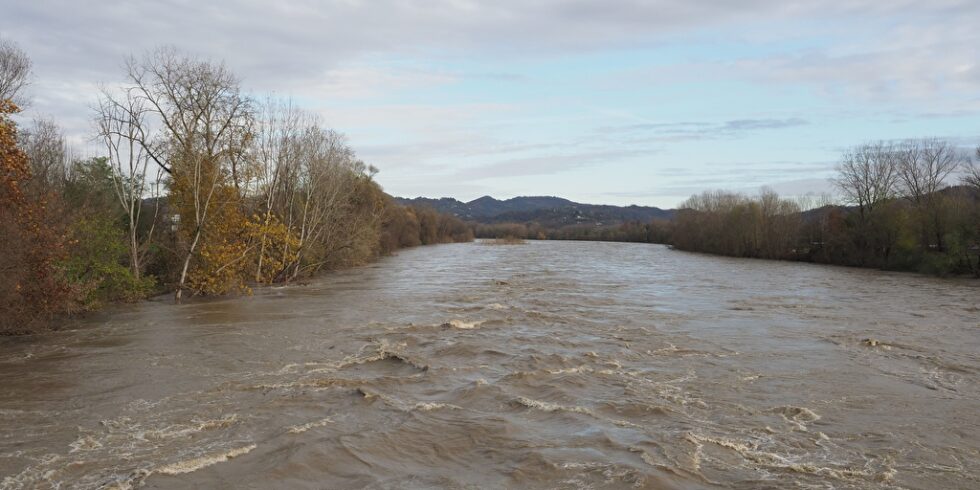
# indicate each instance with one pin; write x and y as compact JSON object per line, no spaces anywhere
{"x":184,"y":430}
{"x":761,"y":459}
{"x":406,"y":406}
{"x":85,"y":443}
{"x":797,"y":416}
{"x":299,"y":429}
{"x":554,"y":407}
{"x":35,"y":476}
{"x":427,"y":406}
{"x":574,"y":370}
{"x":195,"y":464}
{"x":463,"y":325}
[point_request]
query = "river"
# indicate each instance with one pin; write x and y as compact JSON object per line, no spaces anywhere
{"x":542,"y":365}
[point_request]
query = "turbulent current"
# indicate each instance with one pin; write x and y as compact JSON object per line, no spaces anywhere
{"x":543,"y":365}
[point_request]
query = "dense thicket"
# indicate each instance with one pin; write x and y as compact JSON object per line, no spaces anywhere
{"x":201,"y":189}
{"x":900,"y":213}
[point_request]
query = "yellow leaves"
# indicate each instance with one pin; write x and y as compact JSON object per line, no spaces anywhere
{"x":219,"y":269}
{"x":236,"y":251}
{"x":276,"y":247}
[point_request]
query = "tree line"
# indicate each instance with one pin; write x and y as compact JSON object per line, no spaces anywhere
{"x":656,"y":231}
{"x":901,"y":211}
{"x":200,"y":188}
{"x":912,"y":206}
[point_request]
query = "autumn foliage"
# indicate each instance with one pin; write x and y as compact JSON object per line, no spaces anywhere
{"x":202,"y":190}
{"x":32,"y":285}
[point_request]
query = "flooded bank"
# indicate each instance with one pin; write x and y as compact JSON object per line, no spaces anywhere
{"x":541,"y":365}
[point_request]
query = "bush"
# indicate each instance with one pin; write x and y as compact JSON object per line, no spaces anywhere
{"x":95,"y":268}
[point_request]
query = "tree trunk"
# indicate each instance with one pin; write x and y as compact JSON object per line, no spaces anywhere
{"x":183,"y":271}
{"x":134,"y":252}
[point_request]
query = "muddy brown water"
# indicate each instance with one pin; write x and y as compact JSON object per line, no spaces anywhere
{"x":543,"y":365}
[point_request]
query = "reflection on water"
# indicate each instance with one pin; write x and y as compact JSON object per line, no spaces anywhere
{"x":550,"y":364}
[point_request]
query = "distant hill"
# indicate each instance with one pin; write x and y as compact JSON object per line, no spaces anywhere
{"x":545,"y":210}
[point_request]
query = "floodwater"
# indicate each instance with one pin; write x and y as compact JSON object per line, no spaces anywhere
{"x":543,"y":365}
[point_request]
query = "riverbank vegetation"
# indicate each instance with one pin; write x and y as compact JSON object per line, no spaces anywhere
{"x":200,"y":188}
{"x":656,"y":231}
{"x":908,"y":206}
{"x":901,"y":211}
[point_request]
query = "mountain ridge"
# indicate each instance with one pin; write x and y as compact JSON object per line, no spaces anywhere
{"x":546,"y":210}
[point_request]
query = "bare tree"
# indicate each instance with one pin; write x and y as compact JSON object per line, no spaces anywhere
{"x":49,"y":155}
{"x":318,"y":194}
{"x":812,"y":200}
{"x":923,"y":167}
{"x":15,"y":71}
{"x":971,"y":172}
{"x":277,"y":149}
{"x":122,"y":123}
{"x":867,"y":176}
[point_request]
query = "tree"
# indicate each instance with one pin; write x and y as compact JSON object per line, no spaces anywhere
{"x":15,"y":72}
{"x":971,"y":224}
{"x":122,"y":123}
{"x":32,"y":286}
{"x":971,"y":172}
{"x":49,"y":156}
{"x":867,"y":176}
{"x":206,"y":127}
{"x":923,"y":166}
{"x":278,"y":148}
{"x":319,"y":195}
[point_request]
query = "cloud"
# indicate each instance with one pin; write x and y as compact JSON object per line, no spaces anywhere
{"x":544,"y":165}
{"x":739,"y":125}
{"x":446,"y":90}
{"x":691,"y":131}
{"x":302,"y":39}
{"x":364,"y":81}
{"x":316,"y":47}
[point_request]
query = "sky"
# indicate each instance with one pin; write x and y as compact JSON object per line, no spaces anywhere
{"x":599,"y":101}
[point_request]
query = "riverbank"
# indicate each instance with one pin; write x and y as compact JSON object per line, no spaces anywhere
{"x":166,"y":295}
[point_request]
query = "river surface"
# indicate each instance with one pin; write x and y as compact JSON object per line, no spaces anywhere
{"x":542,"y":365}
